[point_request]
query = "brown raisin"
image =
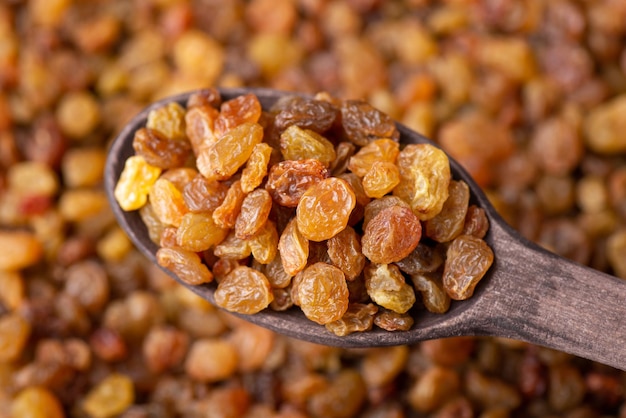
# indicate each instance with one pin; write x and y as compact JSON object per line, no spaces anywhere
{"x":306,"y":113}
{"x":159,"y":150}
{"x":434,"y":296}
{"x":235,"y":112}
{"x":344,"y":251}
{"x":255,"y":209}
{"x":288,"y":180}
{"x":202,"y":195}
{"x":363,"y":123}
{"x":467,"y":260}
{"x":448,"y":224}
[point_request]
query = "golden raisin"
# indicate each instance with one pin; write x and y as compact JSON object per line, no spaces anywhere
{"x":235,"y":112}
{"x":256,"y":167}
{"x":301,"y":144}
{"x":186,"y":265}
{"x":293,"y":248}
{"x":391,"y":235}
{"x":467,"y":260}
{"x":225,"y":215}
{"x":344,"y":250}
{"x":386,"y":286}
{"x":379,"y":150}
{"x":381,"y":179}
{"x":133,"y":186}
{"x":448,"y":224}
{"x":159,"y":150}
{"x":321,"y":292}
{"x":244,"y":290}
{"x":255,"y":209}
{"x":198,"y":232}
{"x":324,"y":209}
{"x":167,"y":202}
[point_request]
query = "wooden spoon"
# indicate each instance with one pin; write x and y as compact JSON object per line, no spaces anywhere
{"x":529,"y":294}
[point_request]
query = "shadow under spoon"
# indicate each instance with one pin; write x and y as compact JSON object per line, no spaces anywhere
{"x":529,"y":294}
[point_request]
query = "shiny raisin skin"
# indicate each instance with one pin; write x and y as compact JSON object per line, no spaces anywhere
{"x":358,"y":318}
{"x":434,"y":296}
{"x":325,"y":208}
{"x":198,"y":232}
{"x":424,"y":179}
{"x":448,"y":224}
{"x":301,"y":144}
{"x":378,"y":150}
{"x":344,"y":251}
{"x":387,"y":287}
{"x":476,"y":222}
{"x":423,"y":259}
{"x":202,"y":195}
{"x":255,"y":209}
{"x":237,"y":111}
{"x":306,"y":113}
{"x":159,"y":150}
{"x":363,"y":123}
{"x":288,"y":180}
{"x":391,"y":235}
{"x":467,"y":260}
{"x":186,"y":265}
{"x":244,"y":290}
{"x":293,"y":248}
{"x":256,"y":168}
{"x":393,"y":321}
{"x":321,"y":292}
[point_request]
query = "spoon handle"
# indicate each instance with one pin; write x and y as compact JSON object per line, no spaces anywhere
{"x":544,"y":299}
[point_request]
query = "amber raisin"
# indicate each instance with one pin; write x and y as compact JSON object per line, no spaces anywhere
{"x":202,"y":195}
{"x":169,"y":120}
{"x":321,"y":292}
{"x":378,"y":150}
{"x":233,"y":248}
{"x":221,"y":159}
{"x":237,"y":111}
{"x":423,"y":259}
{"x":448,"y":224}
{"x":159,"y":150}
{"x":288,"y":180}
{"x":293,"y":248}
{"x":244,"y":290}
{"x":387,"y":287}
{"x":393,"y":321}
{"x":363,"y":123}
{"x":343,"y":152}
{"x":264,"y":244}
{"x":344,"y":250}
{"x":376,"y":205}
{"x":476,"y":222}
{"x":391,"y":235}
{"x":324,"y":209}
{"x":358,"y":318}
{"x":225,"y":215}
{"x":381,"y":179}
{"x":467,"y":260}
{"x":200,"y":123}
{"x":167,"y":202}
{"x":256,"y":168}
{"x":255,"y":209}
{"x":186,"y":265}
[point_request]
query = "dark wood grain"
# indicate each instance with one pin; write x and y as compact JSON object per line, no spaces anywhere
{"x":529,"y":294}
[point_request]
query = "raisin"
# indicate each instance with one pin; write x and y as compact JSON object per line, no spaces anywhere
{"x":301,"y":144}
{"x":169,"y":120}
{"x":235,"y":112}
{"x":288,"y":180}
{"x":205,"y":97}
{"x":391,"y":235}
{"x":244,"y":290}
{"x":186,"y":265}
{"x":321,"y":292}
{"x":381,"y":179}
{"x":200,"y":123}
{"x":276,"y":274}
{"x":386,"y":286}
{"x":202,"y":195}
{"x":424,"y":179}
{"x":393,"y":321}
{"x":256,"y":168}
{"x":167,"y":202}
{"x":358,"y":318}
{"x":221,"y":159}
{"x":378,"y":150}
{"x":476,"y":222}
{"x":255,"y":209}
{"x":376,"y":205}
{"x":343,"y":152}
{"x":198,"y":232}
{"x":133,"y":186}
{"x":225,"y":215}
{"x":293,"y":248}
{"x":264,"y":244}
{"x":434,"y":296}
{"x":233,"y":248}
{"x":180,"y":176}
{"x":467,"y":260}
{"x":344,"y":251}
{"x":159,"y":150}
{"x":324,"y":209}
{"x":423,"y":259}
{"x":448,"y":224}
{"x":363,"y":123}
{"x":306,"y":113}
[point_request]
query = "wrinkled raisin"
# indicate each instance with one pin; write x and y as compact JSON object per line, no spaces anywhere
{"x":255,"y":209}
{"x":316,"y":115}
{"x":448,"y":224}
{"x":321,"y":292}
{"x":302,"y":144}
{"x":467,"y":260}
{"x":391,"y":235}
{"x":387,"y":287}
{"x":288,"y":180}
{"x":364,"y":123}
{"x":358,"y":318}
{"x":244,"y":290}
{"x":344,"y":251}
{"x":186,"y":265}
{"x":159,"y":150}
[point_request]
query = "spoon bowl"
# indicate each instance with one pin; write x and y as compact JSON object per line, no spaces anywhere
{"x":528,"y":294}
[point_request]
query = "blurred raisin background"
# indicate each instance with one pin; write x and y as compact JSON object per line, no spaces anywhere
{"x":529,"y":95}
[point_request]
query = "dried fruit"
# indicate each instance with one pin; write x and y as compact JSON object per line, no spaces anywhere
{"x":344,"y":251}
{"x":133,"y":186}
{"x":358,"y":318}
{"x":379,"y":150}
{"x":391,"y":235}
{"x":244,"y":290}
{"x":186,"y":265}
{"x":167,"y":202}
{"x":256,"y":169}
{"x":381,"y":179}
{"x":306,"y":113}
{"x":198,"y":232}
{"x":159,"y":150}
{"x":321,"y":292}
{"x":364,"y":123}
{"x":467,"y":260}
{"x":302,"y":144}
{"x":293,"y":248}
{"x":255,"y":209}
{"x":448,"y":224}
{"x":288,"y":180}
{"x":424,"y":179}
{"x":324,"y":209}
{"x":387,"y":287}
{"x":434,"y":296}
